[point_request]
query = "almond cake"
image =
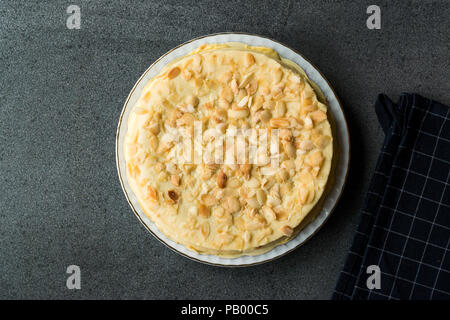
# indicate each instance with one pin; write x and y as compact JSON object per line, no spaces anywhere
{"x":229,"y":208}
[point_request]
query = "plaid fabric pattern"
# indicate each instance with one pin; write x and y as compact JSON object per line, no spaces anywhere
{"x":405,"y":223}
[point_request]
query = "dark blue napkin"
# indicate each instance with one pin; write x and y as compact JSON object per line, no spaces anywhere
{"x":405,"y":222}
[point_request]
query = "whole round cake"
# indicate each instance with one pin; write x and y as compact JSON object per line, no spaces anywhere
{"x":228,"y":149}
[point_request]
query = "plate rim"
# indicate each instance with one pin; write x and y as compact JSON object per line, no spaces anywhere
{"x":347,"y":165}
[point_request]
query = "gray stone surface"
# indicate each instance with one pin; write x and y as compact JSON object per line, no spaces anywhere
{"x":61,"y":95}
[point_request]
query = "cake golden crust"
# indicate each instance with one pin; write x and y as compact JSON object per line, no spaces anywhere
{"x":229,"y":207}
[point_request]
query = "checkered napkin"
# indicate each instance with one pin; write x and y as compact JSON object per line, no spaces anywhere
{"x":405,"y":223}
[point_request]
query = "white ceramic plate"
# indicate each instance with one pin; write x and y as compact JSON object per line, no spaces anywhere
{"x":341,"y":138}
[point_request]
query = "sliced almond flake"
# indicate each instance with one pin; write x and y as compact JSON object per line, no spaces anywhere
{"x":268,"y":171}
{"x":245,"y":80}
{"x":243,"y":102}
